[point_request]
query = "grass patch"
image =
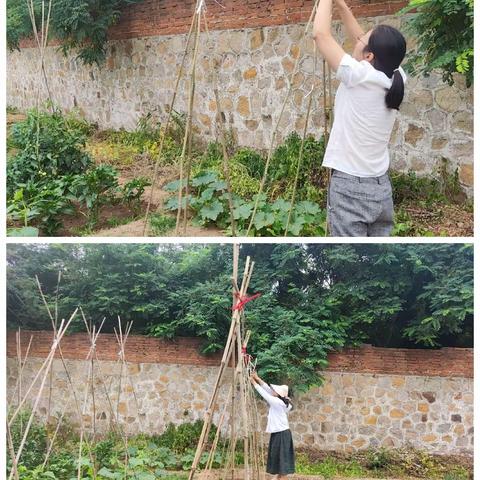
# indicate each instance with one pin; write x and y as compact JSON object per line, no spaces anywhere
{"x":160,"y":223}
{"x":112,"y":153}
{"x":385,"y":463}
{"x":330,"y":467}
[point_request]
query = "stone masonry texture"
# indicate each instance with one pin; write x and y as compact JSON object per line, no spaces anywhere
{"x":255,"y":45}
{"x":371,"y":397}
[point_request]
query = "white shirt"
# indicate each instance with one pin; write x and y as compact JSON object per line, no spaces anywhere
{"x":277,"y":413}
{"x":363,"y":124}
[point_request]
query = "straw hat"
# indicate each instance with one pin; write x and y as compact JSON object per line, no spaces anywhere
{"x":282,"y":390}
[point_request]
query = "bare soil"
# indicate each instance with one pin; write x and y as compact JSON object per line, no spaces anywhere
{"x":443,"y":220}
{"x":73,"y":223}
{"x":219,"y":474}
{"x":135,"y":229}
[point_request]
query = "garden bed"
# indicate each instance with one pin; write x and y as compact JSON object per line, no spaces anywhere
{"x":424,"y":206}
{"x":169,"y":456}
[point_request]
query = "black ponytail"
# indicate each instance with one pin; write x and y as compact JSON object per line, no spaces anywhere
{"x":394,"y":96}
{"x":389,"y":46}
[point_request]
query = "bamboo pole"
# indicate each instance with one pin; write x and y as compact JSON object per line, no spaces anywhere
{"x":45,"y":364}
{"x":304,"y":136}
{"x":61,"y":331}
{"x":189,"y":118}
{"x":190,"y":115}
{"x":243,"y":405}
{"x":164,"y":132}
{"x":12,"y":453}
{"x":277,"y":125}
{"x":93,"y":334}
{"x":17,"y":392}
{"x":218,"y":116}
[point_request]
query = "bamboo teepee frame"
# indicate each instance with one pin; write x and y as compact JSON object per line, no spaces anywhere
{"x":240,"y":398}
{"x":235,"y":348}
{"x":94,"y":376}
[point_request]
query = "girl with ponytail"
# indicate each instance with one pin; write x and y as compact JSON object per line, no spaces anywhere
{"x":370,"y":93}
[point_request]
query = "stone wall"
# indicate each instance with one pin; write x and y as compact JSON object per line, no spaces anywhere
{"x":435,"y":122}
{"x":357,"y":407}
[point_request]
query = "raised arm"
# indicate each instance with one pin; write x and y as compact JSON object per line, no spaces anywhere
{"x":322,"y":34}
{"x":262,"y":384}
{"x":257,"y":383}
{"x":270,"y":399}
{"x":353,"y":29}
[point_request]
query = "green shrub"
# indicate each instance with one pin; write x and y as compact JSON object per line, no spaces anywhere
{"x":95,"y":188}
{"x":241,"y":183}
{"x":285,"y":160}
{"x":444,"y":35}
{"x":62,"y":464}
{"x":52,"y":172}
{"x":252,"y":161}
{"x":42,"y":202}
{"x":35,"y":448}
{"x":133,"y":190}
{"x":183,"y":437}
{"x":49,"y":148}
{"x":79,"y":26}
{"x":378,"y":459}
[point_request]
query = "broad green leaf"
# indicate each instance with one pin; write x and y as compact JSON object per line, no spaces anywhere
{"x":211,"y":210}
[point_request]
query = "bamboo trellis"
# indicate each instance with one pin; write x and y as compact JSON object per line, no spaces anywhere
{"x":94,"y":376}
{"x":240,"y":395}
{"x":186,"y":157}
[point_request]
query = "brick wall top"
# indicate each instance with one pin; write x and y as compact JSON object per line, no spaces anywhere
{"x":445,"y":362}
{"x":170,"y":17}
{"x":166,"y":17}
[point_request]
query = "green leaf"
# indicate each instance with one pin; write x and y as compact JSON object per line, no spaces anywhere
{"x":211,"y":210}
{"x":263,"y":219}
{"x":243,"y":212}
{"x":206,"y":179}
{"x":281,"y":205}
{"x":18,"y":196}
{"x":23,"y":232}
{"x":296,"y":226}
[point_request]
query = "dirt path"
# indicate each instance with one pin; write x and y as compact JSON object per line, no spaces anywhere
{"x":135,"y":229}
{"x":217,"y":475}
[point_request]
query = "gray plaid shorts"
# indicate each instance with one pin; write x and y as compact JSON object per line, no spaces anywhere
{"x":359,"y":207}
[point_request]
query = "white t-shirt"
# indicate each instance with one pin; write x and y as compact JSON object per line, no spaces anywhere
{"x":358,"y":143}
{"x":277,"y":414}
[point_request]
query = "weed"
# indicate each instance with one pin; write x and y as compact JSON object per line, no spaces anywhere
{"x":114,"y":222}
{"x":160,"y":223}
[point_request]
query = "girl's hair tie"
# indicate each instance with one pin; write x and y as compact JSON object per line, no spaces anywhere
{"x":396,"y":70}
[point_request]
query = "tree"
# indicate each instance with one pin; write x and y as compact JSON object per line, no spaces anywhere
{"x":443,"y":30}
{"x":80,"y":26}
{"x":315,"y":298}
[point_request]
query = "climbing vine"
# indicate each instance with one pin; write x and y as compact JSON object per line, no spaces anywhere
{"x":80,"y":26}
{"x":443,"y":30}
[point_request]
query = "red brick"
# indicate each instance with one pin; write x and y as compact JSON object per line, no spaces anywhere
{"x":444,"y":362}
{"x":165,"y":17}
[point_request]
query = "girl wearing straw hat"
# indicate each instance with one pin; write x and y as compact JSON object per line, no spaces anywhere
{"x":281,"y":456}
{"x":370,"y":93}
